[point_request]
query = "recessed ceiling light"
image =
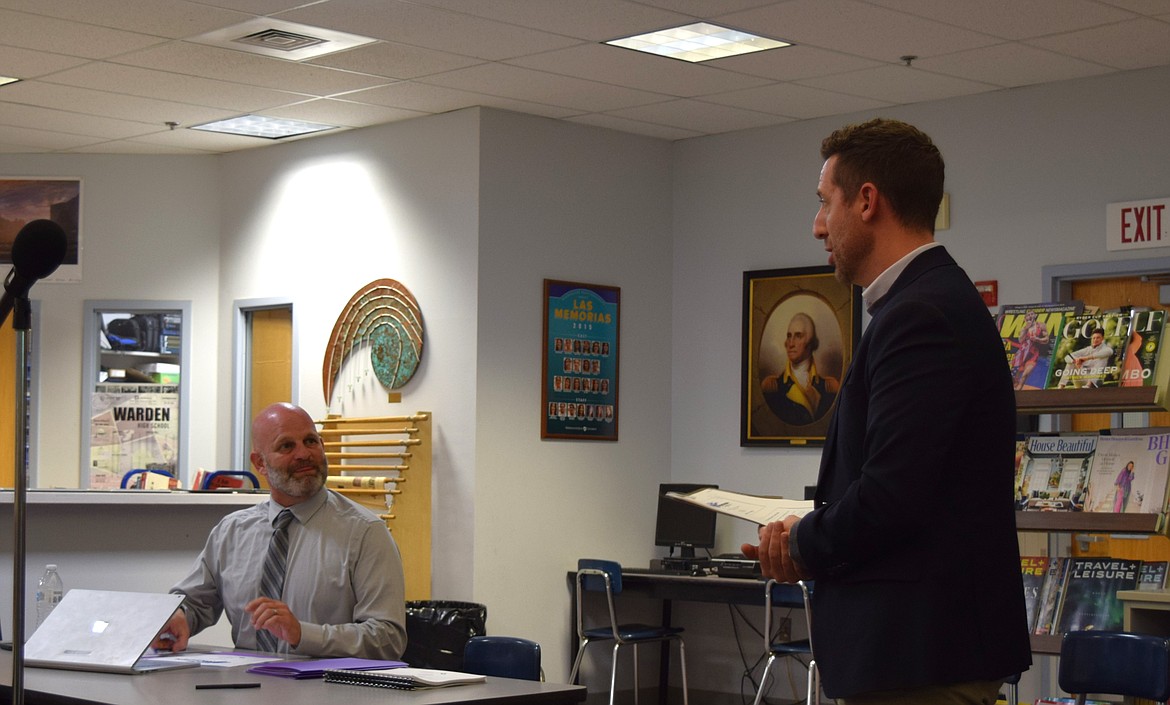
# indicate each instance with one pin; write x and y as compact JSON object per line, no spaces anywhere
{"x":261,"y":126}
{"x":698,"y":42}
{"x":5,"y":80}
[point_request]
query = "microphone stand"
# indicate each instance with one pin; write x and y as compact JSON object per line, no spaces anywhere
{"x":21,"y":324}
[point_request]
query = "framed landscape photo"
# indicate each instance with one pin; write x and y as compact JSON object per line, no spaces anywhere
{"x":800,"y":327}
{"x":33,"y":198}
{"x":579,"y":364}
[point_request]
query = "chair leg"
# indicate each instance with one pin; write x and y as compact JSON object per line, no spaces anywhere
{"x":577,"y":661}
{"x":635,"y":674}
{"x":682,"y":661}
{"x":613,"y":673}
{"x":764,"y":679}
{"x":814,"y":684}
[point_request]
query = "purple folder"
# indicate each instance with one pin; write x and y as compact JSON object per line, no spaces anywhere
{"x":316,"y":668}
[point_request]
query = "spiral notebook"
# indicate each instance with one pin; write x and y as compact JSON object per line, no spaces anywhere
{"x":402,"y":678}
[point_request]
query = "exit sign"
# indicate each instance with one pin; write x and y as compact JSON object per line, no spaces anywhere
{"x":1136,"y":225}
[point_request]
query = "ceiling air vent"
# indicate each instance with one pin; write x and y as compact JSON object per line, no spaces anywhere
{"x":281,"y":40}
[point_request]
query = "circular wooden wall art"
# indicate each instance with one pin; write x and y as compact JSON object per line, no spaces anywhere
{"x":384,"y":315}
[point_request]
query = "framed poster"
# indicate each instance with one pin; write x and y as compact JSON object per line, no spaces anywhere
{"x":800,"y":327}
{"x":579,"y":363}
{"x":57,"y":199}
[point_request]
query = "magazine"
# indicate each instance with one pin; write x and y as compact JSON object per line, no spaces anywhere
{"x":1129,"y":474}
{"x":1055,"y":472}
{"x":1028,"y":332}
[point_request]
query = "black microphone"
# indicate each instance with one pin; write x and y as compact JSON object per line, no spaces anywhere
{"x":38,"y":250}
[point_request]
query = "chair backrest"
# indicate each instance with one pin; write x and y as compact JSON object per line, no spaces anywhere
{"x":1115,"y":663}
{"x":503,"y":656}
{"x":596,"y":583}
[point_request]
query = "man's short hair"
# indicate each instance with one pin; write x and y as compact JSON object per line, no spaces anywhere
{"x":898,"y":158}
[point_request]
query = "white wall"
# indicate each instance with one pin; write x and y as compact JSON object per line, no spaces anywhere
{"x":140,"y":215}
{"x":319,"y":219}
{"x":563,"y":201}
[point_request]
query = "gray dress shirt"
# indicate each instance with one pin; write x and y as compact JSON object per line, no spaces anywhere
{"x":344,"y":578}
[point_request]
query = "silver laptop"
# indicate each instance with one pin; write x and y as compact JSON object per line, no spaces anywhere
{"x":104,"y":630}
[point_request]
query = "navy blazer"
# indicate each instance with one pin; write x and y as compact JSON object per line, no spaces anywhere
{"x":913,"y":545}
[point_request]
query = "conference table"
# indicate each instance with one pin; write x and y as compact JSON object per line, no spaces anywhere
{"x":47,"y":686}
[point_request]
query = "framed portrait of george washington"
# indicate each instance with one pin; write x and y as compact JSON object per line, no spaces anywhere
{"x":800,"y":327}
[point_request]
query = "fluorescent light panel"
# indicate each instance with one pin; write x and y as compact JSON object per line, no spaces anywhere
{"x":697,"y":42}
{"x":261,"y":126}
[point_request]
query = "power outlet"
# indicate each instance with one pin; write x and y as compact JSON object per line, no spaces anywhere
{"x":783,"y":629}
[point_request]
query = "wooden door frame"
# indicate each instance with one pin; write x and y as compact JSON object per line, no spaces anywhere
{"x":240,"y":365}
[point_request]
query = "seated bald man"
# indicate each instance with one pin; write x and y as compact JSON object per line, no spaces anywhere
{"x":343,"y":589}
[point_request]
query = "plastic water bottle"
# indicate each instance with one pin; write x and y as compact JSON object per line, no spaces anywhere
{"x":49,"y":592}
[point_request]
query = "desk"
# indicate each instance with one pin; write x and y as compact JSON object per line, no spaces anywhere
{"x":689,"y":588}
{"x":47,"y":686}
{"x":1146,"y":611}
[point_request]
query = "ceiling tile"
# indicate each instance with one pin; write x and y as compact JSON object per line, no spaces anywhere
{"x":795,"y":62}
{"x":633,"y":69}
{"x":162,"y":18}
{"x":1011,"y":65}
{"x":125,"y":107}
{"x":27,"y":63}
{"x":698,"y":116}
{"x":411,"y":95}
{"x":898,"y":84}
{"x":395,"y":60}
{"x":1127,"y":45}
{"x":19,"y":29}
{"x":213,"y":62}
{"x":31,"y":139}
{"x":431,"y":27}
{"x":71,"y":122}
{"x":342,"y":113}
{"x":538,"y":87}
{"x":796,"y":101}
{"x":856,"y":28}
{"x":1012,"y":19}
{"x":636,"y":127}
{"x":161,"y":85}
{"x":595,"y":20}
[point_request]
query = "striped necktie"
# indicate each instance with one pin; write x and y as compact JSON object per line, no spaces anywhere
{"x":272,"y":579}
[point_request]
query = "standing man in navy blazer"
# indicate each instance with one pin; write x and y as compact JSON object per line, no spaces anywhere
{"x":913,"y":548}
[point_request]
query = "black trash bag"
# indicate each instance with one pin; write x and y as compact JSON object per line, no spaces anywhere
{"x":437,"y":632}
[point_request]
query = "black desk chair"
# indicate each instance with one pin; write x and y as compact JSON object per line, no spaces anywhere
{"x":1115,"y":663}
{"x":782,"y":649}
{"x":503,"y":656}
{"x":606,"y":576}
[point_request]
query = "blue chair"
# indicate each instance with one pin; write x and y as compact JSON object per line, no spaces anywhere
{"x":503,"y":656}
{"x":606,"y":576}
{"x":1115,"y":663}
{"x":782,"y":649}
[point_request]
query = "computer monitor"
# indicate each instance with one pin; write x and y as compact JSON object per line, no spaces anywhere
{"x":683,"y":525}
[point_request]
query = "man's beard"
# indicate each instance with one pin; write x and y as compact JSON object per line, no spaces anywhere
{"x":293,"y":484}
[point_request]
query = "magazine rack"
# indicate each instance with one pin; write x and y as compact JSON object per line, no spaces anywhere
{"x":384,"y":463}
{"x":1071,"y":401}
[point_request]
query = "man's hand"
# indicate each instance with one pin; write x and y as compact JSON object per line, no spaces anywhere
{"x":276,"y":617}
{"x":174,"y":635}
{"x":773,"y":554}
